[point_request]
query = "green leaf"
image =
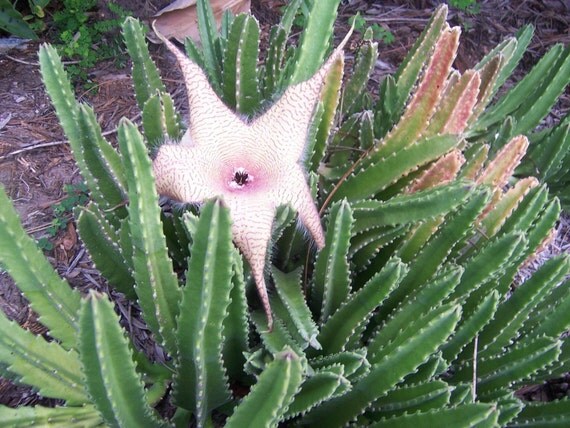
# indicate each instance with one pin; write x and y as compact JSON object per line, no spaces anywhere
{"x":508,"y":406}
{"x":331,"y":280}
{"x":433,"y":367}
{"x":288,"y":288}
{"x":476,"y":155}
{"x":278,"y":338}
{"x":125,"y":238}
{"x":439,"y":247}
{"x":315,"y":390}
{"x":488,"y":262}
{"x":289,"y":14}
{"x":240,"y":84}
{"x":552,"y":315}
{"x":470,"y":326}
{"x":110,"y":372}
{"x":177,"y":238}
{"x":356,"y":85}
{"x":156,"y":284}
{"x":488,"y":69}
{"x":324,"y":118}
{"x":227,"y":20}
{"x":194,"y":53}
{"x":516,"y":364}
{"x":354,"y":363}
{"x":522,"y":218}
{"x":366,"y":245}
{"x":366,"y":131}
{"x":236,"y":323}
{"x":102,"y":165}
{"x":283,"y":314}
{"x":558,"y":368}
{"x":434,"y":329}
{"x":59,"y":90}
{"x":403,"y":321}
{"x":274,"y":59}
{"x":461,"y":394}
{"x":411,"y":67}
{"x":512,"y":50}
{"x":466,"y":415}
{"x":382,"y":172}
{"x":357,"y":309}
{"x":46,"y":366}
{"x":270,"y":397}
{"x":49,"y":296}
{"x":423,"y":104}
{"x":501,"y":209}
{"x":172,"y":120}
{"x":201,"y":381}
{"x":209,"y":39}
{"x":527,"y":89}
{"x":498,"y":65}
{"x":314,"y":40}
{"x":387,"y":109}
{"x":160,"y":119}
{"x":97,"y":160}
{"x":543,"y":225}
{"x":146,"y":78}
{"x":548,"y":157}
{"x":152,"y":121}
{"x":534,"y":108}
{"x":504,"y":327}
{"x":37,"y":416}
{"x":412,"y":398}
{"x":555,"y":413}
{"x":342,"y":146}
{"x":102,"y":242}
{"x":409,"y":208}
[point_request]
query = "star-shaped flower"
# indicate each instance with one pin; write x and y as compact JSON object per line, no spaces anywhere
{"x":254,"y":166}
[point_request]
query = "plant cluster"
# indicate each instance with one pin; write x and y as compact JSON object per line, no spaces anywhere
{"x":86,"y":40}
{"x":377,"y":31}
{"x":470,"y":6}
{"x":25,"y":26}
{"x":406,"y":317}
{"x":79,"y":37}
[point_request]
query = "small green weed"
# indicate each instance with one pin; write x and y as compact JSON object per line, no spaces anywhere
{"x":378,"y":32}
{"x":85,"y":40}
{"x":302,"y":13}
{"x":21,"y":19}
{"x":76,"y":194}
{"x":469,"y":6}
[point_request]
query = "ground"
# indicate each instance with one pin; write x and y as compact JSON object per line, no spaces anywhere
{"x":36,"y":163}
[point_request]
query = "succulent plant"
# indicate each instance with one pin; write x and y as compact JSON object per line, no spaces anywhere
{"x":407,"y":315}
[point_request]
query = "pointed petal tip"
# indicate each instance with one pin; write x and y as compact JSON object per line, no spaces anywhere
{"x":320,"y":241}
{"x":339,"y":50}
{"x":346,"y":38}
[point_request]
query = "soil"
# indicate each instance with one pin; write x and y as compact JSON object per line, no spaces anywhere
{"x":36,"y":162}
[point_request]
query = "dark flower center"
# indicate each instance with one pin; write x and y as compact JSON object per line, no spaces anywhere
{"x":241,"y":177}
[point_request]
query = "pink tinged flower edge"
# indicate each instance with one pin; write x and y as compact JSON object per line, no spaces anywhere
{"x":253,"y":166}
